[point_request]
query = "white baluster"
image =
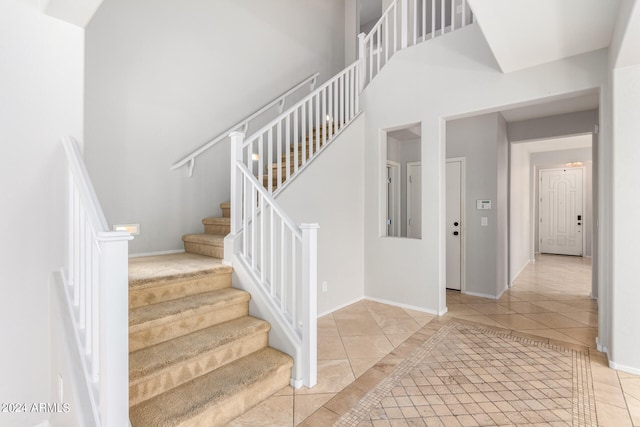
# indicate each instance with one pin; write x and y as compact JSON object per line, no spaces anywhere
{"x":442,"y":16}
{"x":362,"y":60}
{"x":237,"y":140}
{"x":404,"y":24}
{"x":433,"y":18}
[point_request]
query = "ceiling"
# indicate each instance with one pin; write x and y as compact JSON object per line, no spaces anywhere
{"x":525,"y":33}
{"x":557,"y":144}
{"x":552,"y":108}
{"x":369,"y":10}
{"x":405,"y":134}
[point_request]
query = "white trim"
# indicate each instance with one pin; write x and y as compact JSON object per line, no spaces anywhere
{"x":478,"y":294}
{"x":407,"y":306}
{"x":340,"y":307}
{"x":296,"y":383}
{"x":44,"y":423}
{"x":175,"y":251}
{"x":396,"y":170}
{"x":409,"y":184}
{"x":463,"y":222}
{"x":624,"y":368}
{"x":601,"y":348}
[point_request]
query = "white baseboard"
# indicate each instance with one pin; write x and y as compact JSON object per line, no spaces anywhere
{"x":296,"y":383}
{"x":176,"y":251}
{"x":477,"y":294}
{"x":340,"y":307}
{"x":601,"y":348}
{"x":623,"y":368}
{"x":408,"y":306}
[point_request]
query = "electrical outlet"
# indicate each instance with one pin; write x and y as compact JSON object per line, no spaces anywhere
{"x":324,"y":287}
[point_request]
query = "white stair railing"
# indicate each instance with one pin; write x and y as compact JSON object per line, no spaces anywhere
{"x":406,"y":23}
{"x":283,"y":147}
{"x":281,"y":257}
{"x":243,"y":125}
{"x":96,"y":290}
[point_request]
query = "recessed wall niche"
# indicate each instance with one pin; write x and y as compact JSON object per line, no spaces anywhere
{"x":401,"y":189}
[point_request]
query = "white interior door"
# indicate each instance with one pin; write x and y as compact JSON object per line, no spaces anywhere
{"x":414,"y":200}
{"x":561,"y":215}
{"x":454,"y":224}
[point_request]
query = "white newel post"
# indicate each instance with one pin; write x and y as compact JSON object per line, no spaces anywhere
{"x":362,"y":62}
{"x":114,"y":328}
{"x":404,"y":24}
{"x":237,"y":139}
{"x":309,"y":304}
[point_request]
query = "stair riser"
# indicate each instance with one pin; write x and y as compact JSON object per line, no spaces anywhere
{"x":217,"y":229}
{"x":204,"y":363}
{"x":141,"y":336}
{"x":170,"y":290}
{"x":207,"y":250}
{"x":228,"y":409}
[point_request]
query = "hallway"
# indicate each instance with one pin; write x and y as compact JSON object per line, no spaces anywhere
{"x":360,"y":345}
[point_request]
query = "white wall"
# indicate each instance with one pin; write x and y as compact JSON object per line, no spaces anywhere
{"x":162,"y":79}
{"x":41,"y":87}
{"x":553,"y":126}
{"x":450,"y":77}
{"x":482,"y":141}
{"x":520,"y":211}
{"x":329,"y":192}
{"x":625,"y":345}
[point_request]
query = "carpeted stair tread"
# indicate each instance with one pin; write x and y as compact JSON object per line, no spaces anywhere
{"x":219,"y":396}
{"x":150,"y":271}
{"x":216,"y":221}
{"x":151,"y":360}
{"x":204,"y":239}
{"x":168,"y":311}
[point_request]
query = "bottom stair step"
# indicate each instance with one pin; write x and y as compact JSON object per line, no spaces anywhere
{"x":220,"y":396}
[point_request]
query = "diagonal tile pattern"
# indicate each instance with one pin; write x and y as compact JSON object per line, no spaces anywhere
{"x":554,"y":285}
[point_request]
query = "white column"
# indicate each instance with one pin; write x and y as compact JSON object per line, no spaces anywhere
{"x":114,"y":328}
{"x":362,"y":61}
{"x":309,"y":304}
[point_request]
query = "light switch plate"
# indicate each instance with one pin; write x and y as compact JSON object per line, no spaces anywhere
{"x":484,"y":221}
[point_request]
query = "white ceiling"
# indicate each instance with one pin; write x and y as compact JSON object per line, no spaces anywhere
{"x":405,"y":134}
{"x":369,"y":10}
{"x":525,"y":33}
{"x":552,"y":108}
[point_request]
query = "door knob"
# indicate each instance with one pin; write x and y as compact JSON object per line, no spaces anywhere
{"x":455,"y":233}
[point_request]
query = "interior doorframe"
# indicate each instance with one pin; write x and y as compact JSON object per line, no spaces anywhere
{"x":463,"y":223}
{"x":408,"y":213}
{"x":584,"y":206}
{"x":395,"y":183}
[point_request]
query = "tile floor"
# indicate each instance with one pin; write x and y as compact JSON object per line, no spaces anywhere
{"x":360,"y":345}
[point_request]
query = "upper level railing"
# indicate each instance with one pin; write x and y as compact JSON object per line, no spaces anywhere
{"x":243,"y":125}
{"x":96,"y":290}
{"x":406,"y":23}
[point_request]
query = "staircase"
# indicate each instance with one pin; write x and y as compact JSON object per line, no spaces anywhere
{"x":196,"y":356}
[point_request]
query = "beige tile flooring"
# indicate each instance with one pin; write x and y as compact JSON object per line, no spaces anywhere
{"x":358,"y":346}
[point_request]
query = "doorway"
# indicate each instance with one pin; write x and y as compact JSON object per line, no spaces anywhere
{"x":561,"y":211}
{"x":393,"y":198}
{"x":454,"y":229}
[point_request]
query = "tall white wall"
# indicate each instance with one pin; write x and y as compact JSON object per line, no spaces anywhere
{"x":626,"y":157}
{"x":41,"y":89}
{"x":161,"y":80}
{"x":520,"y":212}
{"x":329,"y":192}
{"x":450,"y":77}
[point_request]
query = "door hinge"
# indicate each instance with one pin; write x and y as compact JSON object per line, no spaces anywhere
{"x":388,"y":180}
{"x":410,"y":179}
{"x":388,"y":221}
